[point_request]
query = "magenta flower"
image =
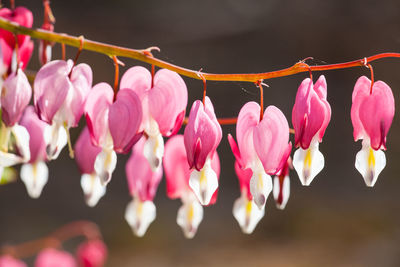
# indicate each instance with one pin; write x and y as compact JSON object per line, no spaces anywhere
{"x":85,"y":157}
{"x":23,"y":17}
{"x":310,"y":117}
{"x":281,"y":189}
{"x":202,"y":137}
{"x":164,"y":104}
{"x":143,"y":184}
{"x":262,"y":146}
{"x":112,"y":126}
{"x":372,"y":114}
{"x":177,"y":174}
{"x":59,"y":97}
{"x":244,"y":210}
{"x":51,"y":257}
{"x":35,"y":172}
{"x":92,"y":253}
{"x":9,"y":261}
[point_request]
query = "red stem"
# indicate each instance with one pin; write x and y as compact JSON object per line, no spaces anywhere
{"x":372,"y":77}
{"x":116,"y":77}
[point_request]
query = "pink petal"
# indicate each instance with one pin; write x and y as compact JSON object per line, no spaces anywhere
{"x":167,"y":100}
{"x":92,"y":253}
{"x":51,"y":257}
{"x":271,"y":137}
{"x":215,"y":165}
{"x":361,"y":91}
{"x":235,"y":150}
{"x":176,"y":167}
{"x":51,"y":87}
{"x":5,"y":53}
{"x":96,"y":110}
{"x":244,"y":176}
{"x":202,"y":134}
{"x":9,"y":261}
{"x":124,"y":119}
{"x":85,"y":152}
{"x":35,"y":128}
{"x":25,"y":52}
{"x":19,"y":15}
{"x":15,"y":96}
{"x":138,"y":79}
{"x":142,"y":181}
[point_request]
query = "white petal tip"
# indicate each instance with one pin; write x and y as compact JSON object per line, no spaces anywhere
{"x":370,"y":163}
{"x":308,"y":163}
{"x":140,"y":215}
{"x":189,"y":217}
{"x":35,"y":177}
{"x":246,"y":214}
{"x":260,"y":188}
{"x":92,"y":188}
{"x":204,"y":183}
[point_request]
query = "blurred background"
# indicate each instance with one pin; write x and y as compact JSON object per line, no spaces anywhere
{"x":337,"y":221}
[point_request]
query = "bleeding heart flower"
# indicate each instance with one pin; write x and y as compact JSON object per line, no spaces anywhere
{"x":51,"y":257}
{"x":112,"y":126}
{"x":85,"y":156}
{"x":244,"y":208}
{"x":23,"y":17}
{"x":281,"y":189}
{"x":262,"y":146}
{"x":8,"y":261}
{"x":202,"y":137}
{"x":372,"y":114}
{"x":143,"y":184}
{"x":164,"y":102}
{"x":59,"y":97}
{"x":92,"y":253}
{"x":177,"y":174}
{"x":310,"y":117}
{"x":34,"y":173}
{"x":45,"y":46}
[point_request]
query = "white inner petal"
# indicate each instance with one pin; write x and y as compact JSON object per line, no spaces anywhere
{"x":284,"y":190}
{"x":105,"y":164}
{"x":308,"y":163}
{"x":140,"y":215}
{"x":56,"y":139}
{"x":204,"y":183}
{"x":247,"y":214}
{"x":35,"y":177}
{"x":21,"y":136}
{"x":154,"y":150}
{"x":370,"y":163}
{"x":92,"y":188}
{"x":260,"y":185}
{"x":190,"y":215}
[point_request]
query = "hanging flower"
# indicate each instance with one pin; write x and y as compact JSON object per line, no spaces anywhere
{"x":164,"y":102}
{"x":202,"y":137}
{"x":34,"y":173}
{"x":372,"y":114}
{"x":113,"y":126}
{"x":310,"y":117}
{"x":92,"y":253}
{"x":262,"y":146}
{"x":177,"y":174}
{"x":244,"y":209}
{"x":9,"y":261}
{"x":59,"y":97}
{"x":45,"y":46}
{"x":85,"y":156}
{"x":281,"y":190}
{"x":51,"y":257}
{"x":143,"y":184}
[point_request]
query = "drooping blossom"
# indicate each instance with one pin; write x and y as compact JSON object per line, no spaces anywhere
{"x":244,"y":209}
{"x":59,"y":97}
{"x":45,"y":46}
{"x":164,"y":101}
{"x":372,"y":114}
{"x":263,"y":146}
{"x":35,"y":172}
{"x":310,"y":117}
{"x":177,"y":174}
{"x":85,"y":156}
{"x":113,"y":126}
{"x":23,"y":17}
{"x":51,"y":257}
{"x":9,"y":261}
{"x":202,"y":137}
{"x":142,"y":183}
{"x":281,"y":190}
{"x":92,"y":253}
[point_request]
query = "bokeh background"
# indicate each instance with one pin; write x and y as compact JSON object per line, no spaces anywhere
{"x":337,"y":221}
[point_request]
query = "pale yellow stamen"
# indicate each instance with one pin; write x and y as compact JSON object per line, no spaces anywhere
{"x":371,"y":158}
{"x":190,"y":214}
{"x":307,"y":159}
{"x":249,"y":206}
{"x":260,"y":182}
{"x":139,"y":208}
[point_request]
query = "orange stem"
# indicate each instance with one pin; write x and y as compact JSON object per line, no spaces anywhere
{"x":372,"y":77}
{"x":116,"y":77}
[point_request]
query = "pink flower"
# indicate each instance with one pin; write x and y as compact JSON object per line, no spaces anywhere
{"x":262,"y":146}
{"x":45,"y":46}
{"x":34,"y":173}
{"x":51,"y":257}
{"x":15,"y":96}
{"x":177,"y":174}
{"x":85,"y":156}
{"x":310,"y":117}
{"x":92,"y":253}
{"x":8,"y":261}
{"x":202,"y":137}
{"x":142,"y":184}
{"x":281,"y":189}
{"x":112,"y":126}
{"x":59,"y":97}
{"x":164,"y":104}
{"x":23,"y":17}
{"x":372,"y":114}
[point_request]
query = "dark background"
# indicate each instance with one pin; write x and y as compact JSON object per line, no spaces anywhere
{"x":336,"y":221}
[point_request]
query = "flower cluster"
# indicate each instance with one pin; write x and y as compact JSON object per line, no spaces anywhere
{"x":149,"y":107}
